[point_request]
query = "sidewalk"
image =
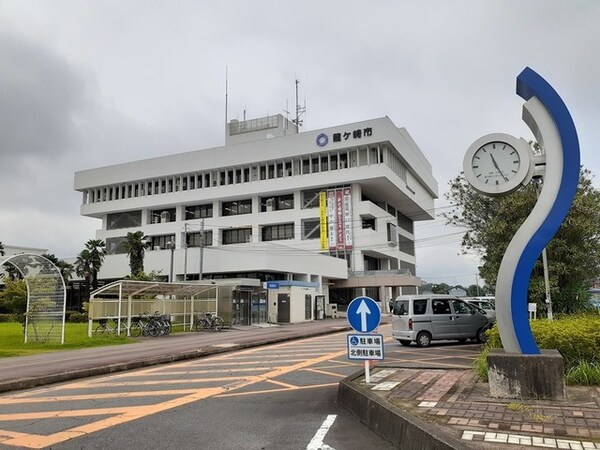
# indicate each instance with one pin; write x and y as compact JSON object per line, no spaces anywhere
{"x":452,"y":409}
{"x":29,"y":371}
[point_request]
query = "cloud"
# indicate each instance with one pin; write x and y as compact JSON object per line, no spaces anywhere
{"x":40,"y":97}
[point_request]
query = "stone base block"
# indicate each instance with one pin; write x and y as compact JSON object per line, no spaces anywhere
{"x":513,"y":375}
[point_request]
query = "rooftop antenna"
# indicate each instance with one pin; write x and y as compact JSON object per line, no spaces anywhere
{"x":300,"y":110}
{"x":226,"y":100}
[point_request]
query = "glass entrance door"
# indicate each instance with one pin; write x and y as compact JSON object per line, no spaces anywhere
{"x":259,"y":307}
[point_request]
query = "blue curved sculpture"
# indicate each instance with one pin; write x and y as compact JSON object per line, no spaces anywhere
{"x":547,"y":116}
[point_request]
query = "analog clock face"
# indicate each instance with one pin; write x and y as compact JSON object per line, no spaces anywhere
{"x":495,"y":163}
{"x":498,"y":163}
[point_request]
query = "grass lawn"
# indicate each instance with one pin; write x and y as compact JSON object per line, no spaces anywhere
{"x":11,"y":340}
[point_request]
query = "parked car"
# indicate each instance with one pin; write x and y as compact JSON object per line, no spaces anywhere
{"x":486,"y":305}
{"x":426,"y":318}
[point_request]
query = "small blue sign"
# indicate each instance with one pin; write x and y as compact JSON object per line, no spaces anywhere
{"x":272,"y":285}
{"x":363,"y":314}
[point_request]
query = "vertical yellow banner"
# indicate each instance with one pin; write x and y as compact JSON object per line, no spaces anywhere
{"x":323,"y":219}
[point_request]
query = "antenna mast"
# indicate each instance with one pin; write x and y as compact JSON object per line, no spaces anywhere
{"x":226,"y":100}
{"x":300,"y":110}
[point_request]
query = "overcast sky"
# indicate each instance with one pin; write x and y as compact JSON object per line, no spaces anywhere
{"x":85,"y":84}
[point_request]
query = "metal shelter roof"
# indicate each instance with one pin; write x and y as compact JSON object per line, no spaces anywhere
{"x":126,"y":288}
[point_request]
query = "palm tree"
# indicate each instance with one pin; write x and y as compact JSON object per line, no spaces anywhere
{"x":1,"y":249}
{"x":64,"y":267}
{"x":136,"y":246}
{"x":97,"y":252}
{"x":83,"y":268}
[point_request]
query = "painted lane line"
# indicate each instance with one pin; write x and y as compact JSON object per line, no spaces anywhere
{"x":316,"y":443}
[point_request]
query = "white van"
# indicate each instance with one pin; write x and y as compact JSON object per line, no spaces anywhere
{"x":426,"y":318}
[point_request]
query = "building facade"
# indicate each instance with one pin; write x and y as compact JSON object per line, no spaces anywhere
{"x":328,"y":213}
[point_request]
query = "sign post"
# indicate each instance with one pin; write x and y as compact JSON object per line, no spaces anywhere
{"x":364,"y":316}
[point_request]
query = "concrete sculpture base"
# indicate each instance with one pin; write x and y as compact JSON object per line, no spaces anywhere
{"x":514,"y":375}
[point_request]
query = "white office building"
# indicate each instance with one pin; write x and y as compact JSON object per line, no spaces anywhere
{"x":318,"y":216}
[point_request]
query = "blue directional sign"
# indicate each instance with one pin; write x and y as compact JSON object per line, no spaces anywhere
{"x":363,"y":314}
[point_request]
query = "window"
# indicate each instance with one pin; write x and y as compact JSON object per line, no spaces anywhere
{"x":440,"y":306}
{"x":368,"y":223}
{"x":311,"y":229}
{"x":127,"y":219}
{"x":162,"y":215}
{"x":371,"y":263}
{"x":460,"y":307}
{"x":162,"y":242}
{"x":406,"y":245}
{"x":401,"y":308}
{"x":277,"y":203}
{"x":310,"y":198}
{"x":420,"y":307}
{"x":236,"y":207}
{"x":392,"y":236}
{"x":193,"y":239}
{"x":278,"y":232}
{"x":198,"y":211}
{"x":405,"y":223}
{"x":237,"y":236}
{"x":116,"y":245}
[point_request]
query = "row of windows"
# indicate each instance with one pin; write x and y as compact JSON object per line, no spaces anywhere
{"x":311,"y":229}
{"x":323,"y":162}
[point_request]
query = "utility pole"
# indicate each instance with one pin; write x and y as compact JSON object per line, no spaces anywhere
{"x":185,"y":243}
{"x":172,"y":245}
{"x":201,"y":261}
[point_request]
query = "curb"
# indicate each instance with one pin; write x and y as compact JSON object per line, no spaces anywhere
{"x":391,"y":423}
{"x":27,"y":383}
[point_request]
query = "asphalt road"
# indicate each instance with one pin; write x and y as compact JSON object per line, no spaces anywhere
{"x":280,"y":396}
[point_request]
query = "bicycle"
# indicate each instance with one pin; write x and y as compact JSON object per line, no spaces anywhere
{"x":159,"y":325}
{"x":110,"y":326}
{"x":138,"y":326}
{"x":209,"y":321}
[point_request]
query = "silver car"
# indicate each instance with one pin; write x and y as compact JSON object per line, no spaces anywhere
{"x":425,"y":318}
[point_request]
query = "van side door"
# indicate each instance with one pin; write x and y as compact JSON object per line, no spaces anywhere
{"x":442,"y":319}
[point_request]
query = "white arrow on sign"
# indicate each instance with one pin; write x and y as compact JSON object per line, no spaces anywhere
{"x":316,"y":442}
{"x":363,"y":310}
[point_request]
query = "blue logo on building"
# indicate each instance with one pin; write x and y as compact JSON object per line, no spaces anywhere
{"x":322,"y":140}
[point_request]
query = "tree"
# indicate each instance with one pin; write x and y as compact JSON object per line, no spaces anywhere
{"x":13,"y":298}
{"x":83,"y":269}
{"x":136,"y":246}
{"x":573,"y":253}
{"x":1,"y":249}
{"x":64,"y":267}
{"x":97,"y":252}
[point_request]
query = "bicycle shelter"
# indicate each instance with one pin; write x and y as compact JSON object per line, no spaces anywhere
{"x":124,"y":299}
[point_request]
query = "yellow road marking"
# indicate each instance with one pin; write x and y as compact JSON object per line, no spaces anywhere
{"x":126,"y":414}
{"x":269,"y":391}
{"x":74,"y":398}
{"x":281,"y":383}
{"x":324,"y":372}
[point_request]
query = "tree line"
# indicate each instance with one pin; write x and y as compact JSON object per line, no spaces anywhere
{"x":13,"y":298}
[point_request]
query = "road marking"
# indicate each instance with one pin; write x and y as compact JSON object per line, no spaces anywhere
{"x":122,"y":415}
{"x":316,"y":443}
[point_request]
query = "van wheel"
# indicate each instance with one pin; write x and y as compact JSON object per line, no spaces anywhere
{"x":404,"y":342}
{"x":423,"y":339}
{"x":481,"y":336}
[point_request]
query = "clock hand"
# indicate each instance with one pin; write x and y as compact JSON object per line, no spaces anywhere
{"x":498,"y":168}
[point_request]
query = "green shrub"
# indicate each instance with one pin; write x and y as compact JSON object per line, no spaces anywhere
{"x":77,"y":317}
{"x":576,"y":337}
{"x":7,"y":318}
{"x":584,"y":374}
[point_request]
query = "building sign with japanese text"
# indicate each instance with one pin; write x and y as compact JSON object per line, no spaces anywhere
{"x":323,"y":139}
{"x":339,"y":219}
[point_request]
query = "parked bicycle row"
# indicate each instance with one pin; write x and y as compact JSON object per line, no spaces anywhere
{"x":154,"y":325}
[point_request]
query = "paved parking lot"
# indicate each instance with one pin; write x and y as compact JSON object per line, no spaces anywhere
{"x":440,"y":355}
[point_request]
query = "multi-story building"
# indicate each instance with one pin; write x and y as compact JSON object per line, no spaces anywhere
{"x":328,"y":213}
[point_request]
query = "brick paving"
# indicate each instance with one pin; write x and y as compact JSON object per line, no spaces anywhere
{"x":457,"y":399}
